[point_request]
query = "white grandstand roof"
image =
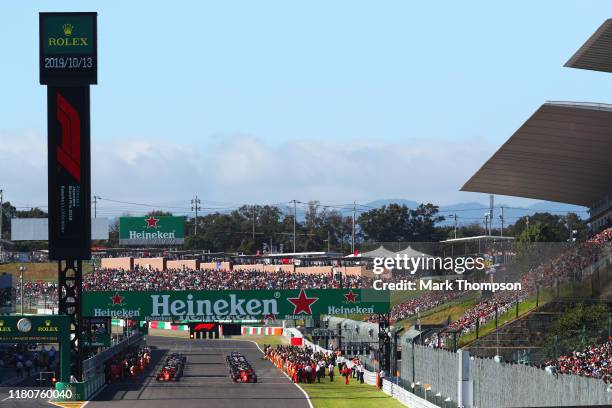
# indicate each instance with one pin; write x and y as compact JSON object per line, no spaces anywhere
{"x":412,"y":253}
{"x":380,"y":252}
{"x":561,"y":153}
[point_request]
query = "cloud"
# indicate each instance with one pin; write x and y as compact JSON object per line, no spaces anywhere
{"x":244,"y":169}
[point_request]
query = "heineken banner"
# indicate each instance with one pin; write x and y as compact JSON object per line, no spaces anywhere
{"x":151,"y":230}
{"x":239,"y":304}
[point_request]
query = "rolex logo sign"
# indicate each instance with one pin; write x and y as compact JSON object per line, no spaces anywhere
{"x":68,"y":29}
{"x":70,"y":34}
{"x":3,"y":328}
{"x":47,"y":327}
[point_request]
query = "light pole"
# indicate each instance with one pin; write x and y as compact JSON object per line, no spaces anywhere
{"x":294,"y":221}
{"x":195,"y":206}
{"x":96,"y":198}
{"x":21,"y":270}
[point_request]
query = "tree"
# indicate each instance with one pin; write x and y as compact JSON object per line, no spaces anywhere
{"x":557,"y":226}
{"x":158,"y":213}
{"x":396,"y":222}
{"x":577,"y":328}
{"x":537,"y":232}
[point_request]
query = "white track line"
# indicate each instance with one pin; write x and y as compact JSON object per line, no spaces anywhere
{"x":296,"y":384}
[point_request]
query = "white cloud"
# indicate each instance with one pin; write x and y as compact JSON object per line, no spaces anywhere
{"x":244,"y":169}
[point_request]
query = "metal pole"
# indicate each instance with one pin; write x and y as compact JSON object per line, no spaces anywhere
{"x":21,"y":269}
{"x":254,"y":226}
{"x":455,"y":217}
{"x":294,"y":222}
{"x":195,"y":206}
{"x":353,"y":237}
{"x":1,"y":202}
{"x":96,"y":206}
{"x":501,"y":217}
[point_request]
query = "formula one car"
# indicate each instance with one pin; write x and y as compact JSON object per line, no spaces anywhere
{"x":240,"y":369}
{"x":172,"y":369}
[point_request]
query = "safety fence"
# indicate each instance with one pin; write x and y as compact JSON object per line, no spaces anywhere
{"x":477,"y":382}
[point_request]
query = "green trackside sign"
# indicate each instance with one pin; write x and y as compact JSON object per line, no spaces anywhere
{"x":39,"y":329}
{"x":239,"y":304}
{"x":152,"y":230}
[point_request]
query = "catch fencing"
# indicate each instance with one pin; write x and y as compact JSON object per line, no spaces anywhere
{"x":480,"y":383}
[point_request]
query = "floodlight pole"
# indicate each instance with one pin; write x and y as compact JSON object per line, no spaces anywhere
{"x":294,"y":223}
{"x":353,"y":235}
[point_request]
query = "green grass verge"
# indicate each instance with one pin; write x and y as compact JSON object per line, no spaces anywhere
{"x":46,"y":271}
{"x":339,"y":395}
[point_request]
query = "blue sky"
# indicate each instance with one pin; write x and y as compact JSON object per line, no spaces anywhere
{"x":313,"y":89}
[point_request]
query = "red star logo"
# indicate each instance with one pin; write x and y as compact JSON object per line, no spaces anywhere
{"x":302,"y":303}
{"x":117,"y":299}
{"x":351,"y":297}
{"x":152,"y":222}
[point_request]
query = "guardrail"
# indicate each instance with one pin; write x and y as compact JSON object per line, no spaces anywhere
{"x":90,"y":365}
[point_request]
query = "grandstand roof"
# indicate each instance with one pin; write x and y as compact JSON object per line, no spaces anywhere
{"x":596,"y":53}
{"x":380,"y":252}
{"x":412,"y":253}
{"x":561,"y":153}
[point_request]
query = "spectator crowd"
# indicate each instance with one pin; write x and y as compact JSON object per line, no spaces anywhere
{"x":594,"y":361}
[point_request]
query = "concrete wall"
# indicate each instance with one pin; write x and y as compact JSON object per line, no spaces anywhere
{"x":225,"y":266}
{"x":117,"y":263}
{"x":182,"y":264}
{"x":315,"y":270}
{"x":154,"y":263}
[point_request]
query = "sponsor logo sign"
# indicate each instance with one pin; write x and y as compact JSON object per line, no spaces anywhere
{"x":24,"y":329}
{"x":68,"y":48}
{"x":68,"y":161}
{"x":152,"y":230}
{"x":241,"y":304}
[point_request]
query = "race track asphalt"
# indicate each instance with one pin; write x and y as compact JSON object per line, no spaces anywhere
{"x":205,"y":381}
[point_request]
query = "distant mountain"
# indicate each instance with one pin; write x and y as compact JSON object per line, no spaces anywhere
{"x":467,"y":213}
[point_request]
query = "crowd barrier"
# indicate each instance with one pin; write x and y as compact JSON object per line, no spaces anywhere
{"x":405,"y":397}
{"x":168,"y":326}
{"x":262,"y":330}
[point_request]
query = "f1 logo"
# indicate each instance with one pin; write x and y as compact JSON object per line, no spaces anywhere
{"x":69,"y":153}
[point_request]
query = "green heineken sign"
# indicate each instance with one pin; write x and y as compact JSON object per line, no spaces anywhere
{"x":152,"y":230}
{"x":239,"y":304}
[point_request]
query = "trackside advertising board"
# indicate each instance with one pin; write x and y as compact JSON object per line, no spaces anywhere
{"x":152,"y":230}
{"x":239,"y":304}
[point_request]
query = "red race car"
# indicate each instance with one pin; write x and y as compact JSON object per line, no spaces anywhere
{"x":172,"y":369}
{"x":240,"y":369}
